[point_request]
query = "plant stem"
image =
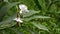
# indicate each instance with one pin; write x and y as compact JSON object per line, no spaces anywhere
{"x":18,"y":16}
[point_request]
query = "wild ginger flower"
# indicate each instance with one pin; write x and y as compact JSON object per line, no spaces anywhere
{"x":18,"y":20}
{"x":23,"y":8}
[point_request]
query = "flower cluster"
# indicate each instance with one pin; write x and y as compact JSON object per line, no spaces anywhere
{"x":23,"y":8}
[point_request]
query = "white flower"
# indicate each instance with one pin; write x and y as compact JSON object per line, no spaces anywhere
{"x":23,"y":8}
{"x":18,"y":20}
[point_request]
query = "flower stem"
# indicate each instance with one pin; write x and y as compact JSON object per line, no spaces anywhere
{"x":18,"y":16}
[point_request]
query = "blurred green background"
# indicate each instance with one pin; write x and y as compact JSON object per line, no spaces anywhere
{"x":43,"y":17}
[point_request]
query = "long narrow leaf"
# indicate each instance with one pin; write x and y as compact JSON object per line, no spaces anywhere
{"x":34,"y":17}
{"x":31,"y":12}
{"x":39,"y":26}
{"x":6,"y":8}
{"x":8,"y":22}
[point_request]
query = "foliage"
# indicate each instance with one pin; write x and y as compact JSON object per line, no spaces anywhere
{"x":43,"y":17}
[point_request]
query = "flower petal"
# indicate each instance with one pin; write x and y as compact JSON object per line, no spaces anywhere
{"x":18,"y":20}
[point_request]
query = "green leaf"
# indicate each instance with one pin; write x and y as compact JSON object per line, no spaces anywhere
{"x":8,"y":31}
{"x":53,"y":8}
{"x":27,"y":29}
{"x":16,"y":30}
{"x":39,"y":26}
{"x":6,"y":8}
{"x":34,"y":17}
{"x":7,"y":25}
{"x":42,"y":4}
{"x":8,"y":22}
{"x":31,"y":12}
{"x":4,"y":32}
